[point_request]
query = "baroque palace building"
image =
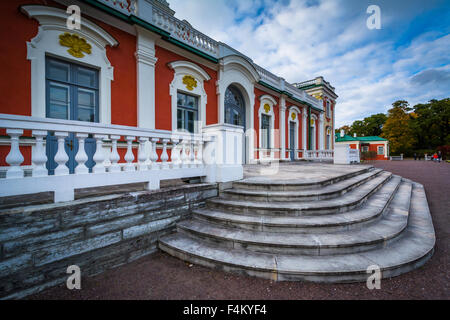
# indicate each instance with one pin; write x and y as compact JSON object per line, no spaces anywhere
{"x":132,"y":85}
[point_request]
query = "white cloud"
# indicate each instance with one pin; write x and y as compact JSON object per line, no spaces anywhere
{"x":301,"y":39}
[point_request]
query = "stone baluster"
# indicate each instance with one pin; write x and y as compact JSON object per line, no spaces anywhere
{"x":175,"y":154}
{"x":199,"y":157}
{"x":81,"y":156}
{"x":129,"y":156}
{"x":164,"y":154}
{"x":99,"y":155}
{"x":114,"y":157}
{"x":39,"y":157}
{"x":154,"y":154}
{"x":142,"y":156}
{"x":192,"y":163}
{"x":184,"y":157}
{"x":61,"y":156}
{"x":14,"y":157}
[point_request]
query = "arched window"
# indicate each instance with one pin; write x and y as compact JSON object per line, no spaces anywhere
{"x":328,"y":109}
{"x":234,"y":107}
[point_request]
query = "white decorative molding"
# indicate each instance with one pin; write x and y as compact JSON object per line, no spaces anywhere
{"x":145,"y":67}
{"x":182,"y":69}
{"x":52,"y":24}
{"x":293,"y":110}
{"x":282,"y":126}
{"x":271,"y":102}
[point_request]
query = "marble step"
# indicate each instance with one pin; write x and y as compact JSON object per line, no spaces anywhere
{"x":356,"y":218}
{"x":347,"y":202}
{"x":327,"y":192}
{"x":409,"y":252}
{"x":371,"y":237}
{"x":255,"y":183}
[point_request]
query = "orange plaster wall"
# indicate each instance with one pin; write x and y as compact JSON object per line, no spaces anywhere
{"x":163,"y":78}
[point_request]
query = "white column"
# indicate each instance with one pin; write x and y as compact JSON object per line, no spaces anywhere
{"x":99,"y":155}
{"x":321,"y":131}
{"x":39,"y":157}
{"x":114,"y":157}
{"x":15,"y":157}
{"x":61,"y":156}
{"x":175,"y":154}
{"x":129,"y":156}
{"x":153,"y":154}
{"x":145,"y":60}
{"x":282,"y":127}
{"x":142,"y":156}
{"x":164,"y":154}
{"x":81,"y":156}
{"x":304,"y":128}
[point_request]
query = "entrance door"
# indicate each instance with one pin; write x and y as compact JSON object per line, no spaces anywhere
{"x":292,"y":140}
{"x":235,"y":113}
{"x":71,"y":94}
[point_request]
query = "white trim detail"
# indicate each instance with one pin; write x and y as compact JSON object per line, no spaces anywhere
{"x":52,"y":24}
{"x":186,"y":68}
{"x":235,"y":70}
{"x":296,"y":111}
{"x":269,"y":100}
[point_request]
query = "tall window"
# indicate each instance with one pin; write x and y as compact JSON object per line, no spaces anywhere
{"x":265,"y":131}
{"x":234,"y":107}
{"x":72,"y":91}
{"x":328,"y":109}
{"x":187,"y":112}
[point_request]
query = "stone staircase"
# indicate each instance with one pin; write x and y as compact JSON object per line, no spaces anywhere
{"x":330,"y":230}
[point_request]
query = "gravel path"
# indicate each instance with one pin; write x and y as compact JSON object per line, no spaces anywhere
{"x":160,"y":276}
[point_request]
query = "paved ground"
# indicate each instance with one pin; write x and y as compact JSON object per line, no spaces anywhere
{"x":160,"y":276}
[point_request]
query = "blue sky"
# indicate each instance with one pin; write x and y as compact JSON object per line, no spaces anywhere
{"x":408,"y":58}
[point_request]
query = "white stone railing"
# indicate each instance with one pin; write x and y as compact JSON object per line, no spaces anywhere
{"x":318,"y":154}
{"x":124,"y":6}
{"x":184,"y":32}
{"x":187,"y":156}
{"x":268,"y":77}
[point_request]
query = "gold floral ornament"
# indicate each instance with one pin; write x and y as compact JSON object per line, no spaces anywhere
{"x":318,"y":96}
{"x":190,"y":82}
{"x":76,"y":44}
{"x":293,"y":116}
{"x":266,"y":108}
{"x":312,"y":122}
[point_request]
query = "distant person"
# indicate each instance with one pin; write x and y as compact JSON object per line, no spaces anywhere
{"x":439,"y":156}
{"x":435,"y":157}
{"x":415,"y":156}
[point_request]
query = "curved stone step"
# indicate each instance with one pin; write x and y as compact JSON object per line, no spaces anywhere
{"x":410,"y":251}
{"x":327,"y":192}
{"x":356,"y":218}
{"x":263,"y":183}
{"x":372,"y":236}
{"x":347,"y":202}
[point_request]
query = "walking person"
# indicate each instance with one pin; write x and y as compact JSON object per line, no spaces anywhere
{"x":439,"y":156}
{"x":415,"y":156}
{"x":435,"y":157}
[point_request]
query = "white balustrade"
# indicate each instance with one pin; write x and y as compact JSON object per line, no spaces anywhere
{"x":107,"y":169}
{"x":129,"y":156}
{"x":61,"y":156}
{"x":114,"y":157}
{"x":39,"y":156}
{"x":164,"y":154}
{"x":81,"y":156}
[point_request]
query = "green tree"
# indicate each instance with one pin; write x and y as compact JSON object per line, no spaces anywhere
{"x":431,"y":124}
{"x":397,"y":128}
{"x":373,"y":125}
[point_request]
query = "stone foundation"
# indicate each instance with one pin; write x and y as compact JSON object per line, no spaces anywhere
{"x":39,"y":242}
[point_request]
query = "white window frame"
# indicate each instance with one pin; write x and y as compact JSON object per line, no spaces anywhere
{"x":378,"y":150}
{"x":182,"y":69}
{"x":52,"y":23}
{"x":297,"y":112}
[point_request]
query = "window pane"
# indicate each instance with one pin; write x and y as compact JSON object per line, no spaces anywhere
{"x":86,"y":105}
{"x":180,"y":119}
{"x":87,"y":77}
{"x":86,"y":98}
{"x":190,"y":121}
{"x":58,"y":71}
{"x":58,"y":101}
